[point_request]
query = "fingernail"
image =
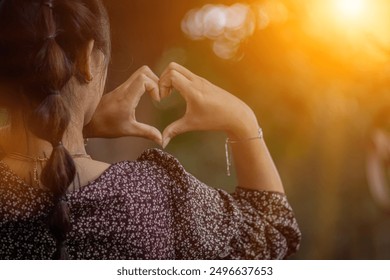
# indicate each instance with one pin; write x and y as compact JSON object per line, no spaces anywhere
{"x":160,"y":142}
{"x":165,"y":142}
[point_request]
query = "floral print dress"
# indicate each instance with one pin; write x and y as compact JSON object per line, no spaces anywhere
{"x":150,"y":208}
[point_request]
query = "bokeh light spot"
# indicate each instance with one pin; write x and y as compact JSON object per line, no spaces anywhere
{"x":226,"y":26}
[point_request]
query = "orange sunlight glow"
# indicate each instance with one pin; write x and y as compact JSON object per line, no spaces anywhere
{"x":351,"y":9}
{"x":355,"y":30}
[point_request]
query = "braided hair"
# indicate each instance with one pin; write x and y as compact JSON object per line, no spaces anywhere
{"x":40,"y":42}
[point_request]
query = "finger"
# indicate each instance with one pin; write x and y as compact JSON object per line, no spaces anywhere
{"x":174,"y":79}
{"x":141,"y":85}
{"x":153,"y":89}
{"x":144,"y":70}
{"x":149,"y":73}
{"x":178,"y":127}
{"x":179,"y":68}
{"x":147,"y":131}
{"x":165,"y":91}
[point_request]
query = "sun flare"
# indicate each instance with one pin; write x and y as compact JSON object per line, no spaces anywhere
{"x":351,"y":9}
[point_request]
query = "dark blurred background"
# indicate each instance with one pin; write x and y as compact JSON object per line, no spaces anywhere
{"x":315,"y":72}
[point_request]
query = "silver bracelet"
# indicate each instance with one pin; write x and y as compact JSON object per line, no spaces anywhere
{"x":228,"y":152}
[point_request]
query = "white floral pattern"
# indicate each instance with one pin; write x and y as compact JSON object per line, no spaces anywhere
{"x":148,"y":209}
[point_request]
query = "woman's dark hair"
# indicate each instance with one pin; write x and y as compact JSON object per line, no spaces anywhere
{"x":40,"y":43}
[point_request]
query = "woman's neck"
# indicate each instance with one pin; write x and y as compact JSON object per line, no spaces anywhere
{"x":17,"y":138}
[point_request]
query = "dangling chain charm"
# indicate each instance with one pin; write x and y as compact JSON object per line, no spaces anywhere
{"x":37,"y":181}
{"x":36,"y":177}
{"x":38,"y":163}
{"x":228,"y":152}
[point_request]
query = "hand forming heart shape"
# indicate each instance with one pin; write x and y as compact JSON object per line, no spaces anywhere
{"x":208,"y":107}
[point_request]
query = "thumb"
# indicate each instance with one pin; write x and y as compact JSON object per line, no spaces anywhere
{"x":147,"y":131}
{"x":178,"y":127}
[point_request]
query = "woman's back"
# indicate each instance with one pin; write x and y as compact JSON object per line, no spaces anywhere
{"x":147,"y":209}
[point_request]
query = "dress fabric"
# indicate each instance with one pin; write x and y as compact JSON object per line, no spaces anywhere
{"x":150,"y":208}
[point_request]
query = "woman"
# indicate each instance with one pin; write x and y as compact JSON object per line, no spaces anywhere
{"x":56,"y":202}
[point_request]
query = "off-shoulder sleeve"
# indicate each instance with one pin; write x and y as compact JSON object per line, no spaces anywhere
{"x":212,"y":224}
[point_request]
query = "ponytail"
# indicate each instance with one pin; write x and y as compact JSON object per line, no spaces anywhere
{"x":49,"y":121}
{"x":40,"y":42}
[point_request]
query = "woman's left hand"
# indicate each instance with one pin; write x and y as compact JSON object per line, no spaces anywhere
{"x":115,"y":114}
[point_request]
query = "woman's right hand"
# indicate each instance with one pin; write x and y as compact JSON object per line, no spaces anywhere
{"x":208,"y":106}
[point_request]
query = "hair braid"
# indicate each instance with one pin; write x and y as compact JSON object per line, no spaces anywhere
{"x":49,"y":121}
{"x":40,"y":43}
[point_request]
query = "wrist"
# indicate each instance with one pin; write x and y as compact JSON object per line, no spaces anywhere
{"x":243,"y":128}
